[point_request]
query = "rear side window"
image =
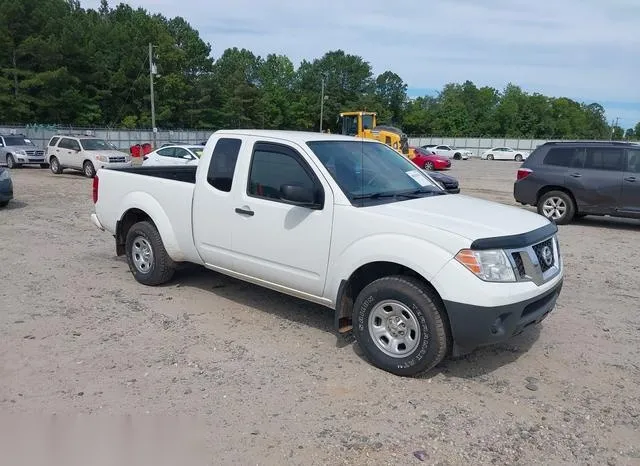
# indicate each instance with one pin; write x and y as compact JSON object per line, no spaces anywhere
{"x":167,"y":152}
{"x":223,"y":163}
{"x":605,"y":158}
{"x":66,"y":143}
{"x":560,"y":156}
{"x":53,"y":141}
{"x":633,"y":163}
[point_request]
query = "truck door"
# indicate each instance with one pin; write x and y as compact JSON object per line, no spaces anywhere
{"x":213,"y":205}
{"x":276,"y":241}
{"x":631,"y":184}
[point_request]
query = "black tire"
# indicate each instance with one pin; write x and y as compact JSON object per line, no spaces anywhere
{"x":430,"y":345}
{"x":518,"y":158}
{"x":490,"y":157}
{"x":429,"y":166}
{"x":44,"y":165}
{"x":161,"y":267}
{"x":457,"y":157}
{"x":88,"y":169}
{"x":11,"y":162}
{"x":54,"y":165}
{"x":4,"y":203}
{"x":565,"y":208}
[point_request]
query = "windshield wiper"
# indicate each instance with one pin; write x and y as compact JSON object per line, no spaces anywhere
{"x":406,"y":194}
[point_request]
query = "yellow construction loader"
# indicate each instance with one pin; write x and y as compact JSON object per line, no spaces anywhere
{"x":364,"y":125}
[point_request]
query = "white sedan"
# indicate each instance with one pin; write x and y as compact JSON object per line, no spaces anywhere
{"x":449,"y":151}
{"x":504,"y":153}
{"x":174,"y":155}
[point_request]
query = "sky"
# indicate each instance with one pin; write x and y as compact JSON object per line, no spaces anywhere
{"x":587,"y":50}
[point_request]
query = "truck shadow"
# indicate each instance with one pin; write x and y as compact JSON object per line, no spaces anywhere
{"x":481,"y":362}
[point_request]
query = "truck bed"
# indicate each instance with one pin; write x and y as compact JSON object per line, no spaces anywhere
{"x":185,"y":174}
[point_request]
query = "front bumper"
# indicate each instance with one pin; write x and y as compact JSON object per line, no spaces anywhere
{"x":475,"y":326}
{"x":108,"y":165}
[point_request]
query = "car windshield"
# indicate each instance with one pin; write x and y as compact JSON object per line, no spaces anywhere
{"x":95,"y":144}
{"x":370,"y":170}
{"x":197,"y":151}
{"x":17,"y":141}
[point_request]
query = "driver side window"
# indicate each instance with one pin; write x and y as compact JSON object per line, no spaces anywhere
{"x":168,"y":152}
{"x":181,"y":153}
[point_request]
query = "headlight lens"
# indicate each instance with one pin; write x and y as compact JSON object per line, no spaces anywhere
{"x":490,"y":265}
{"x":102,"y":158}
{"x":21,"y":152}
{"x":5,"y":175}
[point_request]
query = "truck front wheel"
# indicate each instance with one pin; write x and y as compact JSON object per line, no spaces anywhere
{"x":147,"y":258}
{"x":400,"y":325}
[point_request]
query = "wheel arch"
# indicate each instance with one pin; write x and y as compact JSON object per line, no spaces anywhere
{"x":128,"y":219}
{"x":365,"y":274}
{"x":546,"y":189}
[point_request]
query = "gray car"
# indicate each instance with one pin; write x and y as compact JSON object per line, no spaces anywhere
{"x":6,"y":187}
{"x":18,"y":150}
{"x":565,"y":180}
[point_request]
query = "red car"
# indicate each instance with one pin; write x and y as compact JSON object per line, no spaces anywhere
{"x":428,"y":160}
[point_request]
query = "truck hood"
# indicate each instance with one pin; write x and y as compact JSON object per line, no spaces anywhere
{"x":465,"y":216}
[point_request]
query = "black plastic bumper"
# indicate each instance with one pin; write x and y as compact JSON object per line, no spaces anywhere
{"x":476,"y":326}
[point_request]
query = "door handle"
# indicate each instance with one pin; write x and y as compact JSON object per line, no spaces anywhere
{"x":244,"y":212}
{"x":576,"y":175}
{"x":630,"y":178}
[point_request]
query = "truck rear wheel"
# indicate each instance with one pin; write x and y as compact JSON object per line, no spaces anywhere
{"x":400,"y":325}
{"x":147,"y":258}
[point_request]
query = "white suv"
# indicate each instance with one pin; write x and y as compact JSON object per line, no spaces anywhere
{"x":85,"y":153}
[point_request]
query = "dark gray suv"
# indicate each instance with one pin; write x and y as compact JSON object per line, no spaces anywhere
{"x":566,"y":180}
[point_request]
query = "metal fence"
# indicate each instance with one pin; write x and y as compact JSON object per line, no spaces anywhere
{"x":125,"y":138}
{"x":121,"y":138}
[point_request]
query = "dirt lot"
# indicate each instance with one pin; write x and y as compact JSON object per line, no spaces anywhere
{"x":270,"y":383}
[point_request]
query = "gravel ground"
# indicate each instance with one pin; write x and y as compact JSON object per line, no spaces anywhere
{"x":261,"y":378}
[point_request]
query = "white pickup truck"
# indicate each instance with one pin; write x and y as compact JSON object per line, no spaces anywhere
{"x":416,"y":273}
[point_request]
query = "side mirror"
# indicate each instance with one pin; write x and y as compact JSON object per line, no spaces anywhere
{"x":298,"y":195}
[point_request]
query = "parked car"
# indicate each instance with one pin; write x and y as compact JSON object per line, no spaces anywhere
{"x":174,"y":155}
{"x":85,"y":153}
{"x":566,"y":180}
{"x":424,"y":158}
{"x":415,"y":273}
{"x":6,"y":187}
{"x":504,"y":153}
{"x":449,"y":183}
{"x":450,"y":152}
{"x":18,"y":150}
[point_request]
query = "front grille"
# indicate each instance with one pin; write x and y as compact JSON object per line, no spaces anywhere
{"x":519,"y":264}
{"x":117,"y":160}
{"x":544,"y":253}
{"x":37,"y":153}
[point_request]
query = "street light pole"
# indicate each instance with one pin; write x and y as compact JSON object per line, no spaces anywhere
{"x":321,"y":103}
{"x":153,"y":104}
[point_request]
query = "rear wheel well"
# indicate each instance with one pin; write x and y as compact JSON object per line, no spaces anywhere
{"x":365,"y":274}
{"x":547,"y":189}
{"x":130,"y":218}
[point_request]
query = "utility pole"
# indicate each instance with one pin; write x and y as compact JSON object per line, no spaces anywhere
{"x":613,"y":128}
{"x":153,"y":104}
{"x":321,"y":103}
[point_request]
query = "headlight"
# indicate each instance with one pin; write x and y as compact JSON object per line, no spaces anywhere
{"x":5,"y":175}
{"x":21,"y":152}
{"x":102,"y":158}
{"x":490,"y":265}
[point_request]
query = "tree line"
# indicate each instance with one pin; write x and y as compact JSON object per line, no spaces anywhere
{"x":62,"y":64}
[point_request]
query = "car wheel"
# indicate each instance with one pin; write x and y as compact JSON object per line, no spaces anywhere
{"x":490,"y":157}
{"x":557,"y":206}
{"x":88,"y":169}
{"x":54,"y":165}
{"x":4,"y":203}
{"x":429,"y":166}
{"x":11,"y":162}
{"x":400,"y":325}
{"x":147,"y":258}
{"x":518,"y":158}
{"x":457,"y":157}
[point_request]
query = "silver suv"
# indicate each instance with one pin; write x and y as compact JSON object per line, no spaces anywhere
{"x":86,"y":153}
{"x":17,"y":150}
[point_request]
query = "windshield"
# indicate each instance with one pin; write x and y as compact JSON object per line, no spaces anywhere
{"x":367,"y":122}
{"x":95,"y":144}
{"x":197,"y":151}
{"x":372,"y":170}
{"x":17,"y":141}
